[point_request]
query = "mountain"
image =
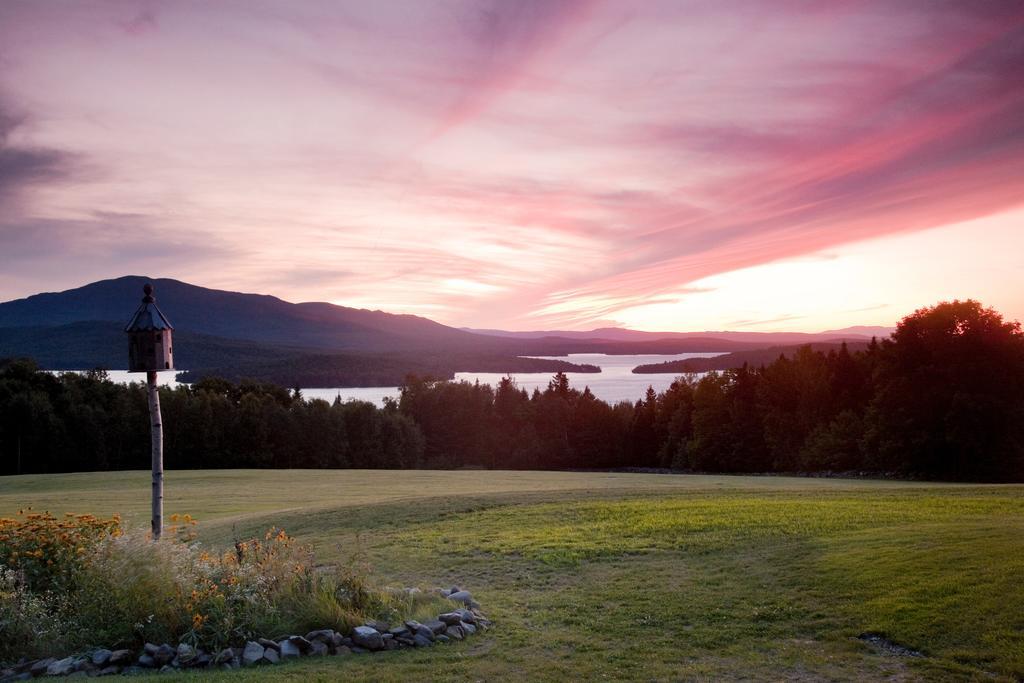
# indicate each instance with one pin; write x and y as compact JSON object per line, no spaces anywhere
{"x":236,"y":334}
{"x":235,"y":315}
{"x":756,"y":338}
{"x":263,"y":319}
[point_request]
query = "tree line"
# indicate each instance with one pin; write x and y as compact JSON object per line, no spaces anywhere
{"x":943,"y":398}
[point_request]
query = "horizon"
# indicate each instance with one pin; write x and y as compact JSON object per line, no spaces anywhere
{"x":479,"y":330}
{"x":531,"y":166}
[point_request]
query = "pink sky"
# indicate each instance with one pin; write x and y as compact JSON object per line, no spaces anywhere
{"x":532,"y":164}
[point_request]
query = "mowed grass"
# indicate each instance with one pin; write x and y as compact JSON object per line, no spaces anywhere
{"x":636,"y":577}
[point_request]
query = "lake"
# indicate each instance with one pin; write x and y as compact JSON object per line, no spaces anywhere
{"x":614,"y":383}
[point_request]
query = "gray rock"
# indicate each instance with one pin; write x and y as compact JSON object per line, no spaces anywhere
{"x":367,"y":637}
{"x":319,"y":649}
{"x":167,"y":669}
{"x":252,"y":653}
{"x":164,"y":654}
{"x":78,"y":674}
{"x":379,"y":626}
{"x":392,"y":644}
{"x":150,"y":649}
{"x":101,"y":657}
{"x":454,"y":589}
{"x":268,"y":643}
{"x":455,"y":632}
{"x":443,"y":639}
{"x":356,"y":650}
{"x":461,"y":596}
{"x":23,"y":676}
{"x":421,"y":641}
{"x":61,"y":667}
{"x":437,"y":626}
{"x":186,"y":654}
{"x":146,"y":662}
{"x":324,"y":635}
{"x":467,"y":615}
{"x":224,"y":656}
{"x":39,"y":668}
{"x":120,"y":657}
{"x":289,"y":650}
{"x":298,"y":641}
{"x":468,"y":629}
{"x":109,"y":671}
{"x":343,"y":650}
{"x":424,"y":631}
{"x":271,"y":656}
{"x":133,"y":671}
{"x":337,"y":640}
{"x":450,"y":618}
{"x":84,"y":664}
{"x":399,"y":631}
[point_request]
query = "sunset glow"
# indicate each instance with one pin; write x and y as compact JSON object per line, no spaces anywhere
{"x":523,"y":165}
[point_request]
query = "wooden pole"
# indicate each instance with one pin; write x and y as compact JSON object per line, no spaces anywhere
{"x":157,"y":436}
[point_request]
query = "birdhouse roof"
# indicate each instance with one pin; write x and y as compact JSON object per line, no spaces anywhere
{"x":148,"y":318}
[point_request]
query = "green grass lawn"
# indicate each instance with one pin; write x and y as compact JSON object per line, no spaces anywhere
{"x":626,"y":576}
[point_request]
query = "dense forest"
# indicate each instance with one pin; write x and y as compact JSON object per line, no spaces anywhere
{"x":738,"y":359}
{"x":943,"y":398}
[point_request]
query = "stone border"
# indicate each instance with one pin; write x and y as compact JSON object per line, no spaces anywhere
{"x":374,"y":636}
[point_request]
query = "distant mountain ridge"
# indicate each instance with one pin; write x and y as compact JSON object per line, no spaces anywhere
{"x":865,"y":332}
{"x":236,"y":315}
{"x":235,"y":334}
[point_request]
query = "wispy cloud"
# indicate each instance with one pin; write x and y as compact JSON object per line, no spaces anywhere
{"x":23,"y":165}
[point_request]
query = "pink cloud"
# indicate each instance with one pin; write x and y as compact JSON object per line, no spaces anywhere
{"x":497,"y":163}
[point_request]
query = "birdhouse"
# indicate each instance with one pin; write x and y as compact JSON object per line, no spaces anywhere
{"x":149,"y":341}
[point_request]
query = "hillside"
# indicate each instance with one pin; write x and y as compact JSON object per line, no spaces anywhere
{"x":97,"y":343}
{"x":737,"y":359}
